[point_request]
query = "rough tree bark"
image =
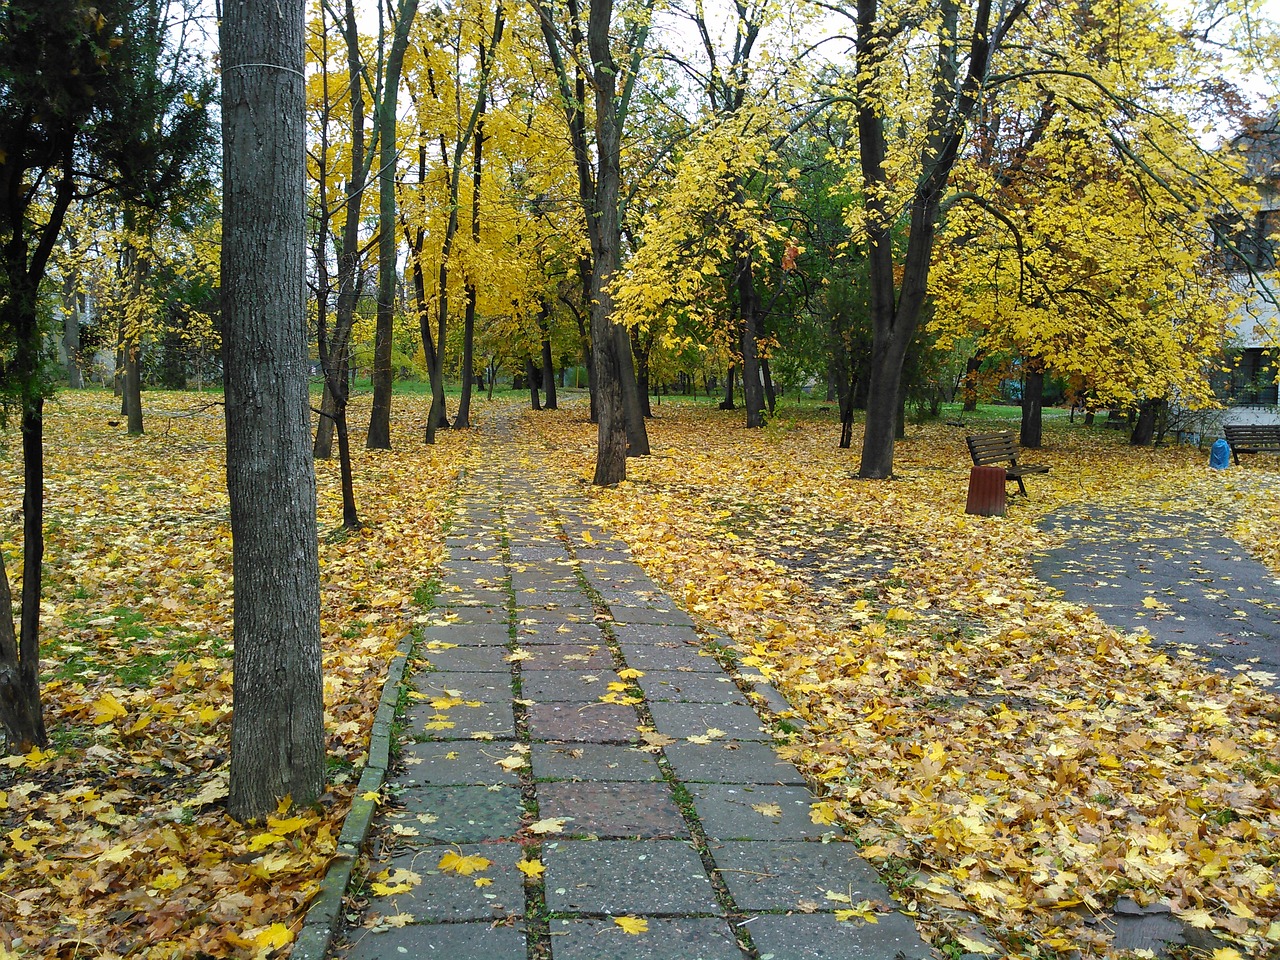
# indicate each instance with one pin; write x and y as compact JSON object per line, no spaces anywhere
{"x":379,"y":435}
{"x":277,"y":735}
{"x":1031,"y":433}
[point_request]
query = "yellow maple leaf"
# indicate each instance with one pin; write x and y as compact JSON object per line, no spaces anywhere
{"x":456,"y":862}
{"x":824,"y":811}
{"x":271,"y":938}
{"x":549,"y":825}
{"x":632,"y":925}
{"x":767,"y":809}
{"x":531,"y":868}
{"x":398,"y":920}
{"x":630,"y":673}
{"x":19,"y":843}
{"x":107,"y":708}
{"x":395,"y":881}
{"x":262,"y":841}
{"x":510,"y":763}
{"x":283,"y":827}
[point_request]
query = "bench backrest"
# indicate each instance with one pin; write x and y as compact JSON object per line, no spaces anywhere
{"x":989,"y":448}
{"x":1252,"y":432}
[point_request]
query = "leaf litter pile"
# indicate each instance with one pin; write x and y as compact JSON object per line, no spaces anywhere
{"x":990,"y":746}
{"x":114,"y":841}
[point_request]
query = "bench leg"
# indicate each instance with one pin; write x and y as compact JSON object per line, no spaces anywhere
{"x":1021,"y":487}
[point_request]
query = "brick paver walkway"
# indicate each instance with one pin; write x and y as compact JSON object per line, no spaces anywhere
{"x":673,"y":808}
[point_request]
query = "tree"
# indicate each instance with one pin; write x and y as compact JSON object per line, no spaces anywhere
{"x":338,"y":223}
{"x":947,"y":63}
{"x":71,"y":87}
{"x":599,"y":169}
{"x":277,"y":736}
{"x":379,"y":435}
{"x":465,"y":128}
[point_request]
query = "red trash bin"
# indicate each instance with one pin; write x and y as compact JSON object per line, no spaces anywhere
{"x":986,"y":492}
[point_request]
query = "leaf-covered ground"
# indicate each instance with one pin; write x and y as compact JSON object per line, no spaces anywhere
{"x":992,"y":747}
{"x":114,"y":841}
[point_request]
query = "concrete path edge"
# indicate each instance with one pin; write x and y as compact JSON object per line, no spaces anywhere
{"x":321,"y":921}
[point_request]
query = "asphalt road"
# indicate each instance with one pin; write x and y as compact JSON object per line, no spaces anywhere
{"x":1178,"y":576}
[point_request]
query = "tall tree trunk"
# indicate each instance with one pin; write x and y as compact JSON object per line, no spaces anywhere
{"x":135,"y":266}
{"x":749,"y":305}
{"x":1144,"y":429}
{"x":584,"y":336}
{"x":21,"y":712}
{"x":729,"y":379}
{"x":618,"y":412}
{"x":770,"y":395}
{"x":277,"y":732}
{"x":322,"y":449}
{"x":72,"y":310}
{"x":548,"y":362}
{"x":462,"y":419}
{"x":970,"y":390}
{"x":641,"y":349}
{"x":379,"y":435}
{"x":633,"y":407}
{"x":133,"y":387}
{"x":335,"y":350}
{"x":531,"y":374}
{"x":1031,"y":432}
{"x":896,"y":309}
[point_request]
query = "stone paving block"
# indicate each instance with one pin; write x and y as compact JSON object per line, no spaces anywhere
{"x":550,"y":566}
{"x":669,"y":656}
{"x":449,"y":896}
{"x":613,"y":809}
{"x":588,"y":657}
{"x":477,"y":573}
{"x":690,"y":687}
{"x":553,"y":595}
{"x":727,"y":812}
{"x":671,"y":615}
{"x":642,"y":633}
{"x":738,"y":722}
{"x":469,"y":634}
{"x":462,"y":814}
{"x":455,"y":763}
{"x":626,"y":876}
{"x":470,"y":685}
{"x":640,"y":593}
{"x":466,"y":592}
{"x":566,"y":581}
{"x":543,"y":633}
{"x":731,"y":761}
{"x":494,"y":720}
{"x":616,"y":574}
{"x":486,"y":659}
{"x":593,"y":761}
{"x":680,"y":938}
{"x":575,"y":618}
{"x":795,"y":874}
{"x":820,"y":936}
{"x":478,"y":612}
{"x":457,"y":941}
{"x":566,"y":685}
{"x":523,"y":551}
{"x":588,"y":723}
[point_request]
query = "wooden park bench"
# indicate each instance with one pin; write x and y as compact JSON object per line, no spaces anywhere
{"x":1252,"y":438}
{"x":989,"y":449}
